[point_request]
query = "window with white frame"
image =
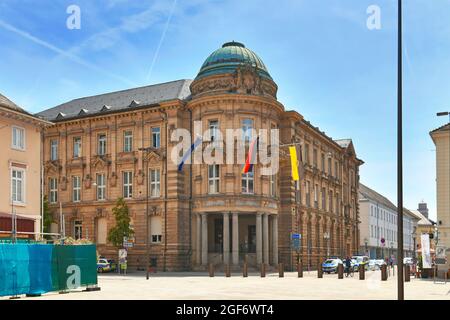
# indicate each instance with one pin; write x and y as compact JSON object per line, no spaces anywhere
{"x":17,"y":185}
{"x":18,"y":138}
{"x":53,"y":190}
{"x":247,"y":126}
{"x":156,"y":137}
{"x":213,"y":178}
{"x":213,"y":129}
{"x":53,"y":149}
{"x":155,"y":183}
{"x":78,"y":229}
{"x":248,"y":182}
{"x":101,"y":186}
{"x":76,"y":188}
{"x":101,"y":144}
{"x":77,"y":147}
{"x":127,"y":141}
{"x":127,"y":184}
{"x":155,"y":229}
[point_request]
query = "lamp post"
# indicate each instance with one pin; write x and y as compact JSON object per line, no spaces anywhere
{"x":326,"y":236}
{"x":366,"y":244}
{"x":147,"y":253}
{"x":400,"y":283}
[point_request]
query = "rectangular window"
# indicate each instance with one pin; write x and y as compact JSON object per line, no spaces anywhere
{"x":77,"y":147}
{"x":155,"y":229}
{"x":101,"y":186}
{"x":53,"y":190}
{"x":53,"y":150}
{"x":247,"y":182}
{"x":336,"y":170}
{"x":307,"y":160}
{"x":324,"y":199}
{"x":17,"y":185}
{"x":329,"y":166}
{"x":127,"y":141}
{"x":213,"y":129}
{"x":78,"y":230}
{"x":315,"y":158}
{"x":76,"y":189}
{"x":316,"y":196}
{"x":156,"y":137}
{"x":213,"y":178}
{"x":247,"y":126}
{"x":308,"y":193}
{"x":155,"y":183}
{"x":127,"y":184}
{"x":101,"y":148}
{"x":330,"y":201}
{"x":18,"y":138}
{"x":322,"y":160}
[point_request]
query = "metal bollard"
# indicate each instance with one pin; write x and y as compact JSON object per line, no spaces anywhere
{"x":340,"y":271}
{"x":211,"y":270}
{"x":300,"y":269}
{"x":263,"y":270}
{"x":384,"y":273}
{"x":280,"y":270}
{"x":362,"y":272}
{"x":407,"y":273}
{"x":227,"y":270}
{"x":245,"y":270}
{"x":319,"y":271}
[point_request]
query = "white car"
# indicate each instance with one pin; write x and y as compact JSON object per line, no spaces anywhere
{"x":380,"y":262}
{"x":373,"y":265}
{"x":408,"y":261}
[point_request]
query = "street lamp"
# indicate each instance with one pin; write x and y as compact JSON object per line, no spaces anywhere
{"x":326,"y":236}
{"x":366,"y":244}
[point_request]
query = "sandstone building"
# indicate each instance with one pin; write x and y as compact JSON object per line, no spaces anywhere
{"x":204,"y":213}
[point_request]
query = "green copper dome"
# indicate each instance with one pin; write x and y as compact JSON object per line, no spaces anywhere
{"x":228,"y":58}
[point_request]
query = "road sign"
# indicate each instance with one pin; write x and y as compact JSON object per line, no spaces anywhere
{"x":296,"y":241}
{"x":440,"y":252}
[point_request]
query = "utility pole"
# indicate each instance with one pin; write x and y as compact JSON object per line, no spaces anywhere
{"x":400,"y":283}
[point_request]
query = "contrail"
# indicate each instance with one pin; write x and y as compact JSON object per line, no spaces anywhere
{"x":161,"y":40}
{"x":64,"y":53}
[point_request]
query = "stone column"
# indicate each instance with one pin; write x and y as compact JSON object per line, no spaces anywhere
{"x":226,"y":238}
{"x":265,"y":237}
{"x":275,"y":239}
{"x":204,"y":239}
{"x":199,"y":240}
{"x":235,"y":247}
{"x":259,"y":243}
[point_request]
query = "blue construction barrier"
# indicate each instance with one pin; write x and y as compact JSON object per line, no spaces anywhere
{"x":40,"y":268}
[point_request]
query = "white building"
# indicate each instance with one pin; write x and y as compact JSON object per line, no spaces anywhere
{"x":378,"y":227}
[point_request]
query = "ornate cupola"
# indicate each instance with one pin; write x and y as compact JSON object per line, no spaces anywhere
{"x":233,"y":69}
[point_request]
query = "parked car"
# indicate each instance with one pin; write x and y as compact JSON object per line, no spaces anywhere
{"x":106,"y":265}
{"x":362,"y":261}
{"x":380,"y":262}
{"x":408,"y":261}
{"x":331,"y":265}
{"x":373,"y":265}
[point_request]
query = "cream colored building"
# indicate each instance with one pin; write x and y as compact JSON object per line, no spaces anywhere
{"x":20,"y":167}
{"x":441,"y":138}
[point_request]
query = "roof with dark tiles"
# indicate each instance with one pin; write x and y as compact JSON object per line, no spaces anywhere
{"x":119,"y":100}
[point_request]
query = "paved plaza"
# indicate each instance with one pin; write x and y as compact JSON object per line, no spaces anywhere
{"x":199,"y":286}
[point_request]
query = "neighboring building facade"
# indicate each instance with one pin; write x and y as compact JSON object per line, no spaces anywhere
{"x":20,"y":169}
{"x":205,"y":213}
{"x":424,"y":226}
{"x":441,"y":138}
{"x":379,"y":226}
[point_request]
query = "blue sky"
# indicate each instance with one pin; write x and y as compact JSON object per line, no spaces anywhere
{"x":327,"y":64}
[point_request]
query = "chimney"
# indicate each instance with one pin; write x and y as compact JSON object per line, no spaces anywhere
{"x":423,"y":209}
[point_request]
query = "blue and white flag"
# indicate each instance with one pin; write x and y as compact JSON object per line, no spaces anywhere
{"x":189,"y":152}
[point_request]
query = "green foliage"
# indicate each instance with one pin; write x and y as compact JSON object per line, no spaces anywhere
{"x":48,"y":218}
{"x":420,"y":263}
{"x":122,"y":227}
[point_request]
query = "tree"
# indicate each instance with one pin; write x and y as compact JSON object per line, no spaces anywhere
{"x":48,"y":219}
{"x":122,"y":228}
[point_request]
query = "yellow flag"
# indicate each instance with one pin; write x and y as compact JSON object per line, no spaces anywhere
{"x":294,"y":166}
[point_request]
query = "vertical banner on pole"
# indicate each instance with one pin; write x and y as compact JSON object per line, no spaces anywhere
{"x":426,"y":254}
{"x":294,"y":164}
